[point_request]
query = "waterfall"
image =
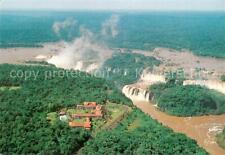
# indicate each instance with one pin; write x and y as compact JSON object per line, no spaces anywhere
{"x":137,"y":93}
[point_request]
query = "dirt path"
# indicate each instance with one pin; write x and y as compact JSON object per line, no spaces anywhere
{"x":203,"y":128}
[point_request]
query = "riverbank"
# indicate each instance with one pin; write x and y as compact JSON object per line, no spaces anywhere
{"x":202,"y":128}
{"x":19,"y":55}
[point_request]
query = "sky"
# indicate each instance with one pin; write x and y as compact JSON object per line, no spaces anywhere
{"x":201,"y":5}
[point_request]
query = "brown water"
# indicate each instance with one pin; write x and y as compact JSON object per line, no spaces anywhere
{"x":201,"y":128}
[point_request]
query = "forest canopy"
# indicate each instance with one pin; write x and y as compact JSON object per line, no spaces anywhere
{"x":190,"y":100}
{"x":25,"y":102}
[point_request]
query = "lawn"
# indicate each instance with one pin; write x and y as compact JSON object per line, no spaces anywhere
{"x":52,"y":117}
{"x":77,"y":111}
{"x":114,"y":114}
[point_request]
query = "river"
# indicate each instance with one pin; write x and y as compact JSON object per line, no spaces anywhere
{"x":201,"y":128}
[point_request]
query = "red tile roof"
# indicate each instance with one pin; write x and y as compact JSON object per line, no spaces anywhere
{"x":90,"y":104}
{"x":75,"y":124}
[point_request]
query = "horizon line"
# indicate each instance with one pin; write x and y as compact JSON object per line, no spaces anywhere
{"x":114,"y":10}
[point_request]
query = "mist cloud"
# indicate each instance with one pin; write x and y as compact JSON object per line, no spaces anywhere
{"x":85,"y":53}
{"x":66,"y":24}
{"x":110,"y":26}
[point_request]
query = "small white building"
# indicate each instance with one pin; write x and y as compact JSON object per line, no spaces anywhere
{"x":63,"y":118}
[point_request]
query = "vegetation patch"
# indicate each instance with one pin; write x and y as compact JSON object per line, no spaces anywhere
{"x":43,"y":63}
{"x":126,"y":68}
{"x":52,"y":117}
{"x":223,"y":77}
{"x":148,"y":137}
{"x":134,"y":125}
{"x":190,"y":100}
{"x":221,"y":139}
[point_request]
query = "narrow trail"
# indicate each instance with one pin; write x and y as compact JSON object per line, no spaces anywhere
{"x":201,"y":128}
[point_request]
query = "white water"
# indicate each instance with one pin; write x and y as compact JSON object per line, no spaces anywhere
{"x":137,"y":93}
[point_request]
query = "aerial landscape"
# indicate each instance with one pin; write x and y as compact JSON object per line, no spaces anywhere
{"x":112,"y":77}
